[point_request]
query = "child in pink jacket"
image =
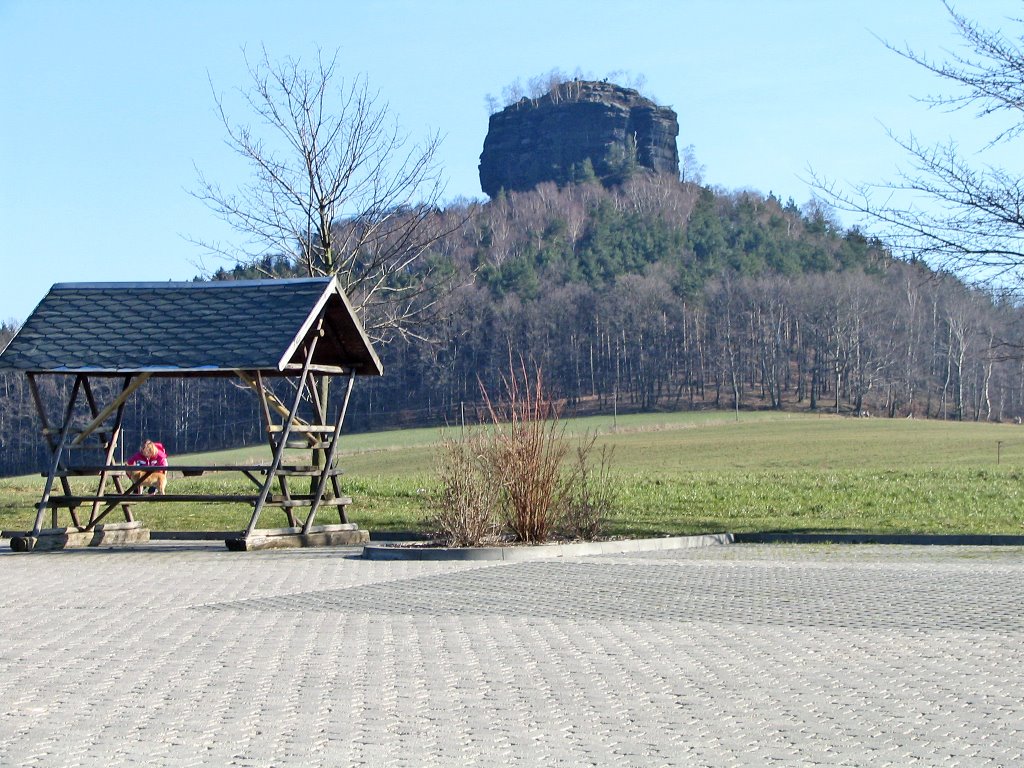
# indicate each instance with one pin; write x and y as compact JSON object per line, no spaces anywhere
{"x":151,"y":455}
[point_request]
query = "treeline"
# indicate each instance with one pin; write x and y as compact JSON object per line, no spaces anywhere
{"x":902,"y":343}
{"x":653,"y":295}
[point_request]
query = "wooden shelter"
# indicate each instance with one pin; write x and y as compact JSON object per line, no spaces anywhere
{"x":303,"y":330}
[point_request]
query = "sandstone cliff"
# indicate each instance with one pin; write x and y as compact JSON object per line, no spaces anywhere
{"x":551,"y":138}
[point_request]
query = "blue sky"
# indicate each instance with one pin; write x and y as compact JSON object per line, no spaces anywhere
{"x":107,"y":107}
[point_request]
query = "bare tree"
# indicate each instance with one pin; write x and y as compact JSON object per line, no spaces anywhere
{"x":944,"y":207}
{"x":336,"y":187}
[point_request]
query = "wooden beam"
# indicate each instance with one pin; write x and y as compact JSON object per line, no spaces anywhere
{"x":112,"y":500}
{"x":105,"y":413}
{"x":269,"y":400}
{"x":268,"y":397}
{"x":261,"y":392}
{"x":193,"y":470}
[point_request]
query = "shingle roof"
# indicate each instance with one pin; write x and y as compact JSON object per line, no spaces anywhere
{"x":189,"y":328}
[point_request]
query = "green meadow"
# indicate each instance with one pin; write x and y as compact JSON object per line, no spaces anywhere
{"x":680,"y":474}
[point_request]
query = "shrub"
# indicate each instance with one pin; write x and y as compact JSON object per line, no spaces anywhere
{"x":591,"y":498}
{"x":510,"y":474}
{"x":466,"y":514}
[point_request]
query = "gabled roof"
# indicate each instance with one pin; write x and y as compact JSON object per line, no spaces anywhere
{"x":195,"y":328}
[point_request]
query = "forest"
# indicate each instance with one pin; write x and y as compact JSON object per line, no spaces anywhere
{"x":656,"y":294}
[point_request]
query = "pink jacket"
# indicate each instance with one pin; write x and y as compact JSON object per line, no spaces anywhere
{"x":160,"y":460}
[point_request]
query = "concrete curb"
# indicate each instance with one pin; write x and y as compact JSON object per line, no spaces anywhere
{"x":384,"y":552}
{"x":916,"y":539}
{"x":521,"y":553}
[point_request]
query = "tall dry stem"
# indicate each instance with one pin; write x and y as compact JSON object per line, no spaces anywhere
{"x":526,"y":453}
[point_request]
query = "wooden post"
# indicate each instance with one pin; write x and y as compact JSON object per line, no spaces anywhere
{"x":48,"y":434}
{"x":112,"y":441}
{"x":615,"y":408}
{"x":319,"y":391}
{"x":282,"y":440}
{"x":332,"y":451}
{"x":55,"y":463}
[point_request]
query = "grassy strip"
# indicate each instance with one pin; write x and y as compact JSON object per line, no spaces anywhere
{"x":681,"y":474}
{"x":894,"y":501}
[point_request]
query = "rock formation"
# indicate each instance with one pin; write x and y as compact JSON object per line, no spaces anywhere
{"x":552,"y":137}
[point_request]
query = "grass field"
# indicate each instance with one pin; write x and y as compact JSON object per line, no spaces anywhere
{"x":687,"y":473}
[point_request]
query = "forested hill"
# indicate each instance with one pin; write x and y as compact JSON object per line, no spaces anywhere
{"x":657,"y":294}
{"x":588,"y":234}
{"x":654,"y":294}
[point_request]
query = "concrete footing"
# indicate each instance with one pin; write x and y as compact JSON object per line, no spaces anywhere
{"x":68,"y":538}
{"x":342,"y":534}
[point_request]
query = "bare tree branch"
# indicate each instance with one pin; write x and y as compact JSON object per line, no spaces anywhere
{"x":954,"y":213}
{"x":991,"y":75}
{"x":336,"y":187}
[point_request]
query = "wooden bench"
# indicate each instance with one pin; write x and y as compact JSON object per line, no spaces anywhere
{"x":256,"y":473}
{"x":188,"y":470}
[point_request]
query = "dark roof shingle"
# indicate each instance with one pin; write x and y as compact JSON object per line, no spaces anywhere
{"x":188,"y":328}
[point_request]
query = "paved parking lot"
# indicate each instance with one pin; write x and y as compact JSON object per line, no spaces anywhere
{"x":179,"y":655}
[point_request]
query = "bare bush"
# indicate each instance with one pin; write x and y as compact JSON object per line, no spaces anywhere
{"x":591,"y":497}
{"x":510,"y":474}
{"x":467,"y":512}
